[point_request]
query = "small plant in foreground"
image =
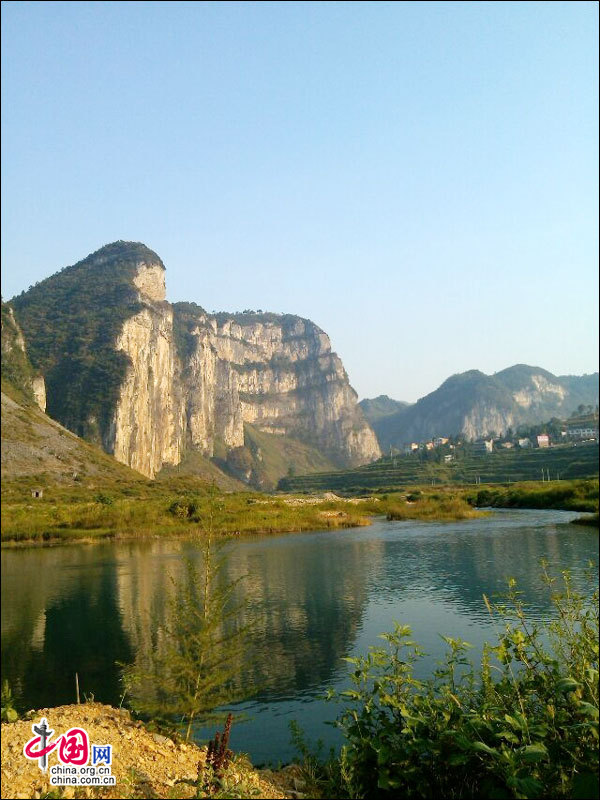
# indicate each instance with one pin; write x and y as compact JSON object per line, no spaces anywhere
{"x":218,"y":755}
{"x":211,"y":771}
{"x":525,"y":725}
{"x":9,"y":713}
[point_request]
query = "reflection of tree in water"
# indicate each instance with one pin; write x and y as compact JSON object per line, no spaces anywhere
{"x":81,"y":632}
{"x":33,"y":580}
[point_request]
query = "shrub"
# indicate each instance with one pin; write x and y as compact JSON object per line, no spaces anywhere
{"x":104,"y":499}
{"x":524,"y":725}
{"x":184,"y":507}
{"x":191,"y":665}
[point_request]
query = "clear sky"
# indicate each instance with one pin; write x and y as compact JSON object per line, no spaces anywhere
{"x":420,"y":179}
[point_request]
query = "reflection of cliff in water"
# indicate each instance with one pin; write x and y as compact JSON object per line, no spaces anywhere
{"x":303,"y":608}
{"x":66,"y":621}
{"x":82,"y":610}
{"x":307,"y":597}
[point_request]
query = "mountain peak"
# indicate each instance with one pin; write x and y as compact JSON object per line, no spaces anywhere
{"x":124,"y":251}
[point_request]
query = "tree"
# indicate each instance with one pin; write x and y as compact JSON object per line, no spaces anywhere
{"x":191,"y":669}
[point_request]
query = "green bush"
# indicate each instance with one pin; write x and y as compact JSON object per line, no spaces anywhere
{"x":524,"y":725}
{"x":104,"y":499}
{"x":184,"y":507}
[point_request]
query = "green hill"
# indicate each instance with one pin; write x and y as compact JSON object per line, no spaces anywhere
{"x":38,"y":452}
{"x":266,"y":457}
{"x":381,"y":407}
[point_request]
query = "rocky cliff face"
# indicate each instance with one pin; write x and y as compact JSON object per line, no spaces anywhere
{"x":276,"y":372}
{"x":148,"y":425}
{"x":177,"y":378}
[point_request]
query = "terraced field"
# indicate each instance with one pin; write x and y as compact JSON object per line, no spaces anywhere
{"x":562,"y":462}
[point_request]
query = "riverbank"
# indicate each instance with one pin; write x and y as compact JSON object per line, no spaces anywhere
{"x":145,"y":764}
{"x":576,"y":495}
{"x":591,"y":521}
{"x":66,"y":515}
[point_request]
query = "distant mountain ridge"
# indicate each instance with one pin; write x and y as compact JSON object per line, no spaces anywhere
{"x":382,"y":406}
{"x":475,"y":405}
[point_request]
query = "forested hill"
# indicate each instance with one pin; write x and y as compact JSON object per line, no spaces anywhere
{"x":70,"y":321}
{"x":474,"y":405}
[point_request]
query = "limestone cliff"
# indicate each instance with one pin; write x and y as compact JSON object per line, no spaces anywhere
{"x":148,"y":429}
{"x":150,"y":381}
{"x":276,"y":372}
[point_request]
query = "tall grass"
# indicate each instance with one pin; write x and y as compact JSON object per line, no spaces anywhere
{"x":579,"y":495}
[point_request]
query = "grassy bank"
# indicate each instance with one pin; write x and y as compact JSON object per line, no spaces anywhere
{"x":182,"y":507}
{"x":174,"y":510}
{"x":168,"y":514}
{"x":419,"y":505}
{"x":579,"y":495}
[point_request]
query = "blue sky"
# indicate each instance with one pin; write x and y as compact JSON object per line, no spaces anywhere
{"x":420,"y":179}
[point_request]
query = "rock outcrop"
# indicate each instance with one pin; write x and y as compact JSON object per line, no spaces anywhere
{"x":151,"y":381}
{"x":145,"y":763}
{"x":275,"y":372}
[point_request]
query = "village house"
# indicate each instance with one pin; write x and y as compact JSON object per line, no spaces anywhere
{"x":583,"y":433}
{"x":483,"y":446}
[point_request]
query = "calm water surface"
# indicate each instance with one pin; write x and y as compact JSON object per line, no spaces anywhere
{"x":312,"y":598}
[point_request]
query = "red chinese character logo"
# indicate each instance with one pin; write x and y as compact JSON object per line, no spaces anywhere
{"x":74,"y":747}
{"x":29,"y":751}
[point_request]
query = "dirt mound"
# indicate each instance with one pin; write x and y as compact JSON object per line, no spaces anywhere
{"x":145,"y":764}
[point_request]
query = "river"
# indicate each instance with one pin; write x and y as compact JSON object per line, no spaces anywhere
{"x":312,"y":599}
